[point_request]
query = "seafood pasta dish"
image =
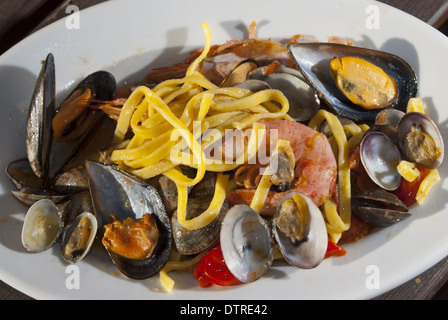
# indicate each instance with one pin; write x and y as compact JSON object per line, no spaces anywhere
{"x":245,"y":154}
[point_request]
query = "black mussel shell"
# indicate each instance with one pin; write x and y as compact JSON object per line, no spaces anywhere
{"x":116,"y":192}
{"x":313,"y":61}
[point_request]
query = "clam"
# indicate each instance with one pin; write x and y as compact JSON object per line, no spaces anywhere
{"x":190,"y":242}
{"x":253,"y":85}
{"x":41,"y":227}
{"x":300,"y":231}
{"x":78,"y":237}
{"x":303,"y":101}
{"x":131,"y":203}
{"x":313,"y":60}
{"x":239,"y":73}
{"x":387,"y":121}
{"x":246,"y":243}
{"x":379,"y":207}
{"x":380,"y":157}
{"x":420,"y":140}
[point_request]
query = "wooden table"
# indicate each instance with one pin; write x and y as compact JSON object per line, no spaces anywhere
{"x":20,"y":18}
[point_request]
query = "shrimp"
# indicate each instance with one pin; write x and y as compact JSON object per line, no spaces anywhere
{"x":222,"y":59}
{"x":315,"y":168}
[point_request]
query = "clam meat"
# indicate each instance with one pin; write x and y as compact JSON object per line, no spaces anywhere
{"x":300,"y":231}
{"x":420,"y":140}
{"x":78,"y":237}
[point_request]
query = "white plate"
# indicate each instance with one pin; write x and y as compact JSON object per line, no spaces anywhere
{"x":128,"y":38}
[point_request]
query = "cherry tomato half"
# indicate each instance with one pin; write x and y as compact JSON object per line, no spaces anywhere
{"x":334,"y":250}
{"x":407,"y":191}
{"x":212,"y":269}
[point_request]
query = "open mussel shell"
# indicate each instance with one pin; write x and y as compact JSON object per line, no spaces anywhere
{"x":313,"y":60}
{"x":102,"y":85}
{"x":116,"y":192}
{"x":40,"y":114}
{"x":78,"y":237}
{"x":379,"y":207}
{"x":429,"y":155}
{"x":29,"y":196}
{"x":380,"y":158}
{"x":309,"y":252}
{"x":246,"y":243}
{"x":41,"y":227}
{"x":22,"y":175}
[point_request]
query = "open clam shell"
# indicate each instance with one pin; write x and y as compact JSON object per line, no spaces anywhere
{"x":380,"y":157}
{"x":41,"y":227}
{"x":426,"y":125}
{"x":78,"y":237}
{"x":303,"y":101}
{"x":309,"y":252}
{"x":116,"y":192}
{"x":246,"y":243}
{"x":313,"y":60}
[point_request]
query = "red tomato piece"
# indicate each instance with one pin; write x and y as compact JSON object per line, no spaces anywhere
{"x":212,"y":269}
{"x":407,"y":191}
{"x":334,"y":250}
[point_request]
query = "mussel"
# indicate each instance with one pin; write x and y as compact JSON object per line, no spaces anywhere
{"x":300,"y":231}
{"x":132,"y":203}
{"x":363,"y":83}
{"x":54,"y":134}
{"x":379,"y":207}
{"x":47,"y":155}
{"x":246,"y":243}
{"x":313,"y":60}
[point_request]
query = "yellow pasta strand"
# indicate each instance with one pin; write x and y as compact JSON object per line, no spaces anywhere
{"x":343,"y":163}
{"x":169,"y":121}
{"x":265,"y":183}
{"x":213,"y":210}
